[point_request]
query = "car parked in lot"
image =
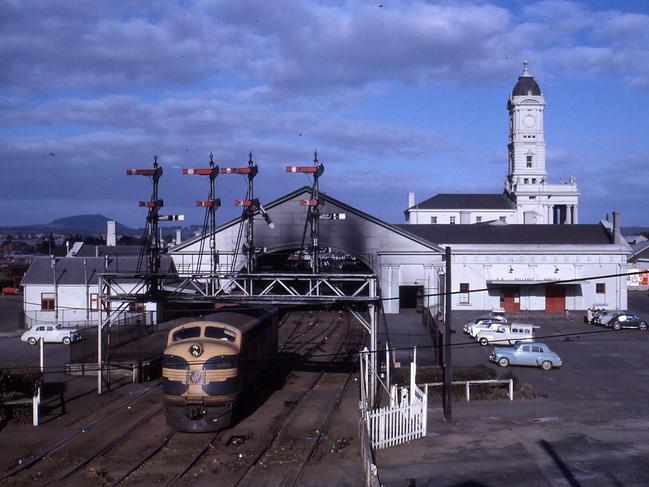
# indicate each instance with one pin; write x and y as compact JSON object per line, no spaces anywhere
{"x":470,"y":327}
{"x":50,"y":333}
{"x":535,"y":354}
{"x":499,"y":314}
{"x":626,"y":320}
{"x":601,"y":318}
{"x":506,"y":334}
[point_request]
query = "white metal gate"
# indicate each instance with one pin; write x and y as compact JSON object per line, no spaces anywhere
{"x":403,"y":420}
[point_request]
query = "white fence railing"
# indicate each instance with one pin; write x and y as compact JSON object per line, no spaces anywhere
{"x":394,"y":425}
{"x":404,"y":419}
{"x":468,"y":383}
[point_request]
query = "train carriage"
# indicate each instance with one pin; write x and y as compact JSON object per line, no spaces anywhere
{"x":208,"y":364}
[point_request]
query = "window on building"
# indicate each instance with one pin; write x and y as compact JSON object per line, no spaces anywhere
{"x":533,"y":180}
{"x":478,"y":219}
{"x":464,"y":293}
{"x":503,"y":219}
{"x":526,"y":180}
{"x":529,"y":161}
{"x":94,"y":301}
{"x":600,"y":288}
{"x":433,"y":219}
{"x":452,"y":221}
{"x":48,"y":301}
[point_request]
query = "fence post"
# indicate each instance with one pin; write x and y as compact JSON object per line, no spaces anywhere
{"x":511,"y":389}
{"x":468,"y":394}
{"x":36,"y":401}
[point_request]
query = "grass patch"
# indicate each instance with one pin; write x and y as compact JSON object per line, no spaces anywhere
{"x":16,"y":383}
{"x":401,"y":377}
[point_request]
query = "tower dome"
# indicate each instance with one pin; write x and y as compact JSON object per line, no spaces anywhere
{"x":526,"y":84}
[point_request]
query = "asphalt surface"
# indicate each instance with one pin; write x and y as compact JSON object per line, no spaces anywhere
{"x":585,"y":424}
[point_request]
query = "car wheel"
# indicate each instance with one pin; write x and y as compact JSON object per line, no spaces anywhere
{"x":546,"y":365}
{"x":503,"y":362}
{"x":643,"y":327}
{"x":66,"y":340}
{"x":31,"y":340}
{"x":484,"y":342}
{"x":617,"y":326}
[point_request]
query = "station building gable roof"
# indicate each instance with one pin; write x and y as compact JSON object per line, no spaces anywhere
{"x":467,"y":201}
{"x":70,"y":270}
{"x":306,"y":192}
{"x":87,"y":250}
{"x":512,"y":234}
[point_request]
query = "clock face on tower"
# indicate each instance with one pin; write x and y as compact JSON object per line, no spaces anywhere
{"x":529,"y":121}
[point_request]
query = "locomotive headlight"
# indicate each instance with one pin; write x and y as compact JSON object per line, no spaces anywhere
{"x":196,"y":350}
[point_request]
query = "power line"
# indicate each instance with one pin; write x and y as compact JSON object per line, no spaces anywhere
{"x":470,"y":291}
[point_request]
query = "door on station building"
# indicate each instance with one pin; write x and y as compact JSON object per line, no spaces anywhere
{"x":408,"y":296}
{"x":555,"y":299}
{"x":510,"y":299}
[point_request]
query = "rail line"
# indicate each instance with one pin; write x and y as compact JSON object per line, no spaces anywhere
{"x":246,"y":477}
{"x":82,"y":430}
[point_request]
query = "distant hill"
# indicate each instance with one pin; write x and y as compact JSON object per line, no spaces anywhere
{"x":634,"y":230}
{"x":81,"y":224}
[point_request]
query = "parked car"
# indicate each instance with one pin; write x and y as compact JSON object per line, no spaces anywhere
{"x":591,"y":313}
{"x":626,"y":320}
{"x":478,"y":322}
{"x":601,"y":318}
{"x":485,"y":325}
{"x":499,"y":314}
{"x":535,"y":354}
{"x":50,"y":333}
{"x":506,"y":334}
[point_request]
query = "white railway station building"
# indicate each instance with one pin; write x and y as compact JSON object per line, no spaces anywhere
{"x":528,"y":196}
{"x":516,"y":265}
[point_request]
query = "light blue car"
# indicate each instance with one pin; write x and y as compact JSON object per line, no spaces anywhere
{"x":535,"y":354}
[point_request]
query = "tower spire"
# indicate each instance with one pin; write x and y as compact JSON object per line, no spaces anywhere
{"x":525,"y":71}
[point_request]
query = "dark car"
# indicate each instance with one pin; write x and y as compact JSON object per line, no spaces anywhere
{"x":626,"y":320}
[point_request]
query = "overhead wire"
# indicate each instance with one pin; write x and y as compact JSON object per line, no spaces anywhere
{"x":382,"y":299}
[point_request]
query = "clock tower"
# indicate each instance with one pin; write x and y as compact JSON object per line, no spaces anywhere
{"x":526,"y":148}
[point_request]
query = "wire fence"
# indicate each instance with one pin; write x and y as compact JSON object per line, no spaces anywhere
{"x":127,"y":329}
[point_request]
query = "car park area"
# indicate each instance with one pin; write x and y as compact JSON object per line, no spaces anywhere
{"x":583,"y":424}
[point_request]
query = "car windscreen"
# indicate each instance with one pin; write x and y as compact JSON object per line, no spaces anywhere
{"x":186,"y":333}
{"x":220,"y":333}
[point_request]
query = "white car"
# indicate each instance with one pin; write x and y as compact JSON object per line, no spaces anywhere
{"x":50,"y":333}
{"x":506,"y":334}
{"x":473,"y":327}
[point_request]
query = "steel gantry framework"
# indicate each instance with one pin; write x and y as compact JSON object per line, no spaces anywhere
{"x":358,"y":293}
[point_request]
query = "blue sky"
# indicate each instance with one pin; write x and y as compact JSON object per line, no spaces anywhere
{"x":396,"y":96}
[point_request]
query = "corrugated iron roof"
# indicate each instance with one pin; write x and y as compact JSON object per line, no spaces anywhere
{"x":512,"y":234}
{"x":467,"y":201}
{"x":70,"y":270}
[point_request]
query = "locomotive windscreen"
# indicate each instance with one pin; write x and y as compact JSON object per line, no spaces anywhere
{"x":185,"y":333}
{"x":219,"y":333}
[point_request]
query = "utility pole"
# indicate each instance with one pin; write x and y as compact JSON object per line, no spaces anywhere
{"x":447,"y":363}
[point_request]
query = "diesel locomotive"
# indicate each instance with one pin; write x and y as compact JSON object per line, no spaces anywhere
{"x":208,"y":364}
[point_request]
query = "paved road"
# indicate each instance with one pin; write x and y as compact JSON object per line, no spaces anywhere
{"x":588,"y":424}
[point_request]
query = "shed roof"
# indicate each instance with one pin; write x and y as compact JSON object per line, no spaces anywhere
{"x":70,"y":270}
{"x":467,"y":201}
{"x":87,"y":250}
{"x":512,"y":234}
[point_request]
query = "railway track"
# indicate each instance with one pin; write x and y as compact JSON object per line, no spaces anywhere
{"x":169,"y":458}
{"x":81,"y":433}
{"x":285,"y":455}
